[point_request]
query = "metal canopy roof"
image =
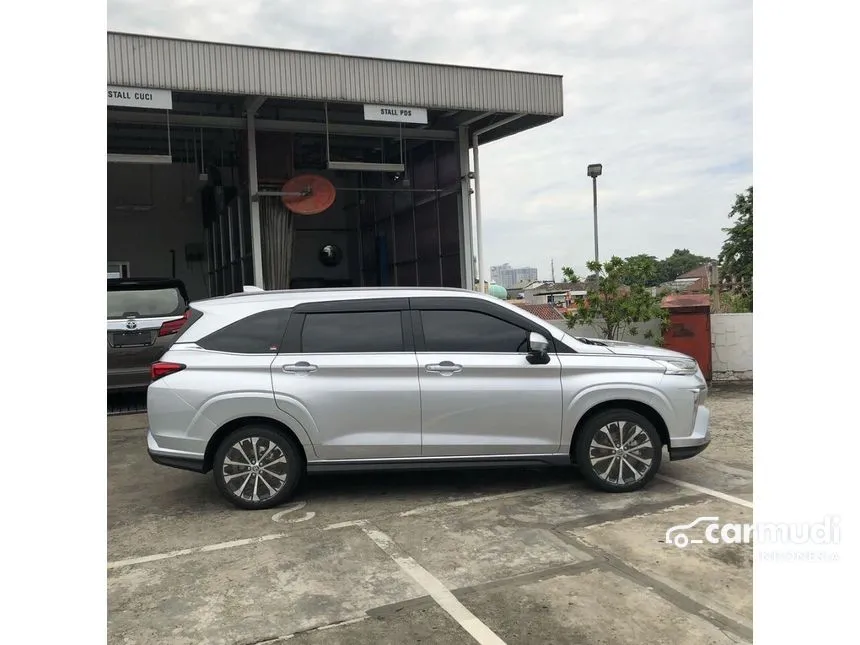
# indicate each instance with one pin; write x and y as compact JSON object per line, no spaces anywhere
{"x":192,"y":66}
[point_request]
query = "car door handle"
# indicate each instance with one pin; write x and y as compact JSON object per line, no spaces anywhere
{"x":302,"y":367}
{"x":445,"y":368}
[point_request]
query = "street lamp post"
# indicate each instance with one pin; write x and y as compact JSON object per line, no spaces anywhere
{"x":594,"y":171}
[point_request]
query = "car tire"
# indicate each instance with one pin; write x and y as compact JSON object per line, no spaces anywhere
{"x":257,"y":481}
{"x":598,"y":444}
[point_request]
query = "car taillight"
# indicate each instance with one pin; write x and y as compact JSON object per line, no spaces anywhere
{"x":174,"y":326}
{"x":162,"y":369}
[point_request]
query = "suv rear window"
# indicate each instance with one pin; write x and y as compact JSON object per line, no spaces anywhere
{"x":259,"y":333}
{"x":145,"y":303}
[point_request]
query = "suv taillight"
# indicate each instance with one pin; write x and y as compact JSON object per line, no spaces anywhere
{"x":174,"y":326}
{"x":162,"y":369}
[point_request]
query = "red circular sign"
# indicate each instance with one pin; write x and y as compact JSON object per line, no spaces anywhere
{"x":310,"y":194}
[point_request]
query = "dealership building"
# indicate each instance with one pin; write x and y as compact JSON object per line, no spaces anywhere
{"x":232,"y":165}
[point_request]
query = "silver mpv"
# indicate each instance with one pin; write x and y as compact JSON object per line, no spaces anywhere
{"x":261,"y":388}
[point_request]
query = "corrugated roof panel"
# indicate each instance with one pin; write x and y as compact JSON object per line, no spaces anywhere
{"x":192,"y":66}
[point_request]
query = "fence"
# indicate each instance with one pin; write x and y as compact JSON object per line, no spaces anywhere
{"x":731,"y":343}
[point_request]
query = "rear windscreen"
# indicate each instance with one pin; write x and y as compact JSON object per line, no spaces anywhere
{"x":145,"y":303}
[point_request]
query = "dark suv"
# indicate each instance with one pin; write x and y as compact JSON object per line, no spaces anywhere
{"x":144,"y":316}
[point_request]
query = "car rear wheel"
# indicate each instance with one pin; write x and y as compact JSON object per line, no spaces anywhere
{"x":257,"y":467}
{"x":618,"y":451}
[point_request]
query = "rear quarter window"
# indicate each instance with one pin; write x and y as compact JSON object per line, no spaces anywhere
{"x":259,"y":333}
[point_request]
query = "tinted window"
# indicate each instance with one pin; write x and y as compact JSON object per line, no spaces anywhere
{"x":365,"y":331}
{"x":470,"y":331}
{"x":257,"y":334}
{"x":145,"y":303}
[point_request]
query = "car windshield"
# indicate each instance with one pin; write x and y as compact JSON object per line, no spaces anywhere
{"x":144,"y":303}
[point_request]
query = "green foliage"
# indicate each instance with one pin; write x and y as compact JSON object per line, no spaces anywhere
{"x":619,"y":299}
{"x":680,"y":262}
{"x":569,"y":275}
{"x":736,"y":256}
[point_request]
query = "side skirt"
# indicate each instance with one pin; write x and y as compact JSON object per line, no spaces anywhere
{"x":437,"y":463}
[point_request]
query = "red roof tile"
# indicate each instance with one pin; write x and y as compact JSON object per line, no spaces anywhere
{"x":542,"y":311}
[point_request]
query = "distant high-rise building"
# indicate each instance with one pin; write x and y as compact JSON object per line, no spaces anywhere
{"x":508,"y":276}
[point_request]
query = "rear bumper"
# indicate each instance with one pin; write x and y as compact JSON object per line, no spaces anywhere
{"x":173,"y":458}
{"x":128,"y":379}
{"x":690,"y":446}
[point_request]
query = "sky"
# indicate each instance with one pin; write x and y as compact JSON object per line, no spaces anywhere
{"x":659,"y":92}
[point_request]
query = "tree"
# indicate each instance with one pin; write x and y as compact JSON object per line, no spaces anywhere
{"x":569,"y":275}
{"x":680,"y":262}
{"x":736,"y":256}
{"x":619,"y":299}
{"x":649,"y":266}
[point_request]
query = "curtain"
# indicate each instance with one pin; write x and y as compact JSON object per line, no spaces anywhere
{"x":277,"y":233}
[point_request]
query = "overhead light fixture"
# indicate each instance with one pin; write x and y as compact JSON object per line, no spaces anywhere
{"x":370,"y":167}
{"x":146,"y":159}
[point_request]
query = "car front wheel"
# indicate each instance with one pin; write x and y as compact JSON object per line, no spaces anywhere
{"x":257,"y":467}
{"x":618,"y":451}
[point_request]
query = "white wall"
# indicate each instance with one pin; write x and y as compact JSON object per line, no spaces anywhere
{"x":732,"y":346}
{"x":731,"y":343}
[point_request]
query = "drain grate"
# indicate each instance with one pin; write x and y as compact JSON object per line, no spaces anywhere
{"x":126,"y":403}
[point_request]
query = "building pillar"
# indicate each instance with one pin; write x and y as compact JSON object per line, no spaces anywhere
{"x":467,"y":274}
{"x":256,"y":234}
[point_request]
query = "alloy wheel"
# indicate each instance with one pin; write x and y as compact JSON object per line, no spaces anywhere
{"x":255,"y":469}
{"x":621,"y":453}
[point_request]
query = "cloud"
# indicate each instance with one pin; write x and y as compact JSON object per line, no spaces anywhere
{"x":660,"y":92}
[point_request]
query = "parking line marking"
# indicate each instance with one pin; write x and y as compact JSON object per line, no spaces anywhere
{"x":200,"y":549}
{"x":478,"y":500}
{"x":725,"y":468}
{"x":434,"y":587}
{"x":342,"y":525}
{"x":707,"y":491}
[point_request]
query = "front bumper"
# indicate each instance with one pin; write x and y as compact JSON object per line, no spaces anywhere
{"x":173,"y":458}
{"x":686,"y":447}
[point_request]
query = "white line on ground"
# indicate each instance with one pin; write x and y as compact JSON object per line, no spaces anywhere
{"x":725,"y":468}
{"x":415,"y":511}
{"x":342,"y":525}
{"x":200,"y":549}
{"x":434,"y":587}
{"x":478,"y":500}
{"x":707,"y":491}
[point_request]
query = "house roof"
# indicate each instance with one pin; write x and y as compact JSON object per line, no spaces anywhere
{"x":684,"y":300}
{"x":542,"y":311}
{"x":476,"y":97}
{"x":698,"y":279}
{"x":522,"y":284}
{"x":561,"y":287}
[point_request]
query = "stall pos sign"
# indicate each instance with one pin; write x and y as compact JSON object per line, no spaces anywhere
{"x":139,"y":97}
{"x":395,"y":114}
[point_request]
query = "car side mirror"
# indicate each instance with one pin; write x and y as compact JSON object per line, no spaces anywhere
{"x":538,"y":349}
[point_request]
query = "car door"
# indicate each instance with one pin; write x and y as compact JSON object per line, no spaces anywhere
{"x":350,"y":367}
{"x":480,"y":396}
